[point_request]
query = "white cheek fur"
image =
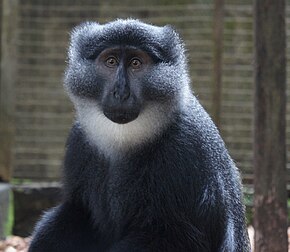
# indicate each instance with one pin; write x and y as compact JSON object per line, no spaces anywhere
{"x":112,"y":138}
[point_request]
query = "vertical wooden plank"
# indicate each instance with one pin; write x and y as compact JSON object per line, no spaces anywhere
{"x":270,"y":204}
{"x":218,"y":23}
{"x":7,"y":83}
{"x":1,"y":12}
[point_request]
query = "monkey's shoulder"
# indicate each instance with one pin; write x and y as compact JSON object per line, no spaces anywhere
{"x":194,"y":127}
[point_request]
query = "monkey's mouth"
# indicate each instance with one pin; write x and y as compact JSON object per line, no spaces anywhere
{"x":121,"y":116}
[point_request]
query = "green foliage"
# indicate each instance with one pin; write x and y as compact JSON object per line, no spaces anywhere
{"x":249,"y":202}
{"x":10,"y":221}
{"x":288,"y":206}
{"x":18,"y":181}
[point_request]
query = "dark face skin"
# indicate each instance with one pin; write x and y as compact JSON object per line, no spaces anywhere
{"x":121,"y":70}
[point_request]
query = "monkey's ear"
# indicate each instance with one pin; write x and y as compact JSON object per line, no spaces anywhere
{"x":83,"y":40}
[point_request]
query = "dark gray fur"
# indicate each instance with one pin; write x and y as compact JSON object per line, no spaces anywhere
{"x":164,"y":182}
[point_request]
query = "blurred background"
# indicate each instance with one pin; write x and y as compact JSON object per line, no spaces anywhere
{"x":36,"y":114}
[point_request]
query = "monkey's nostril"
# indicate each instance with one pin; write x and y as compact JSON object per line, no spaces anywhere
{"x":126,"y":95}
{"x":116,"y":95}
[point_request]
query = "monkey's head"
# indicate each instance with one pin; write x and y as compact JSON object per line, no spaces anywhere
{"x":126,"y":80}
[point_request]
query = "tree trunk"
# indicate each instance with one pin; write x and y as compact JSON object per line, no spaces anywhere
{"x":270,"y":204}
{"x":217,"y":60}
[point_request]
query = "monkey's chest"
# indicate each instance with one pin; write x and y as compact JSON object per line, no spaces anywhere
{"x":130,"y":195}
{"x":143,"y":194}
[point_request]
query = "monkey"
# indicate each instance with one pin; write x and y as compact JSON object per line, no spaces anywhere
{"x":145,"y":167}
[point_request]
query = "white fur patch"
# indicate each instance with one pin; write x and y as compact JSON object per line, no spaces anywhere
{"x":113,"y":138}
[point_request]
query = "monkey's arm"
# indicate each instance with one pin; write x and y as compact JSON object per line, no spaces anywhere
{"x":156,"y":243}
{"x":65,"y":228}
{"x":68,"y":227}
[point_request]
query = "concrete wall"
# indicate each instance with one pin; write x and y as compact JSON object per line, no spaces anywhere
{"x":30,"y":202}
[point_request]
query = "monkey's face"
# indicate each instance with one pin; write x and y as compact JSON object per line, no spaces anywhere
{"x":121,"y":71}
{"x":125,"y":79}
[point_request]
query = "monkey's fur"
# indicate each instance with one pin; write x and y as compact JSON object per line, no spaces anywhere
{"x":145,"y":167}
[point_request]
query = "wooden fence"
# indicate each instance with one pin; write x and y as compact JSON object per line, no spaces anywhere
{"x":34,"y":45}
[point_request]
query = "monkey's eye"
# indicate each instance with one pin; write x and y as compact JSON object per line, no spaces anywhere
{"x":111,"y":62}
{"x":135,"y":63}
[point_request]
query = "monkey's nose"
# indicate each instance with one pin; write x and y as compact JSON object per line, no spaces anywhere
{"x":121,"y":95}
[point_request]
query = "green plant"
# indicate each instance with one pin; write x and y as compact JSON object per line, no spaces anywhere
{"x":10,"y":221}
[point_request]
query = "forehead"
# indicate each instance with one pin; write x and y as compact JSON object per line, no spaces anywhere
{"x":127,"y":45}
{"x":90,"y":39}
{"x":125,"y":52}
